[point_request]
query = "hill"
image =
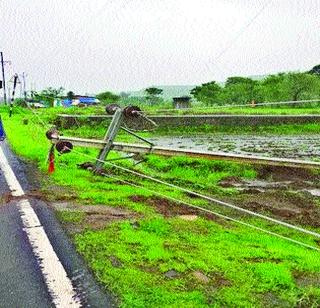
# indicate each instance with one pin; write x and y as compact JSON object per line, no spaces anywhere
{"x":168,"y":91}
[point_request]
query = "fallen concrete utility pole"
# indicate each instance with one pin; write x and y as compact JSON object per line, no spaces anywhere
{"x":147,"y":149}
{"x":65,"y":144}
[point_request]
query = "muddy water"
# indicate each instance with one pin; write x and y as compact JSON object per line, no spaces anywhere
{"x":299,"y":147}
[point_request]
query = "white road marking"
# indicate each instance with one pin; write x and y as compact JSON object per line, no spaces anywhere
{"x":55,"y":276}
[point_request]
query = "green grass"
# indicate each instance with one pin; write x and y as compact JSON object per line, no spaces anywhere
{"x":248,"y":265}
{"x":71,"y":216}
{"x":283,"y":129}
{"x":244,"y":268}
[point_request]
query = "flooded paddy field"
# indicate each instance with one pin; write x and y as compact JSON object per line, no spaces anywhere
{"x":293,"y":146}
{"x":282,"y":192}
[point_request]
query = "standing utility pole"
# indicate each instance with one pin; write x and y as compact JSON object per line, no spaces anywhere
{"x":24,"y":86}
{"x":15,"y":81}
{"x":3,"y":79}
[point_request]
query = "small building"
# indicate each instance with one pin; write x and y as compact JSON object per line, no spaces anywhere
{"x":78,"y":100}
{"x":182,"y":102}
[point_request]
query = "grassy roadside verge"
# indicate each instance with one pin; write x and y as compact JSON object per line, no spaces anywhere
{"x":156,"y":258}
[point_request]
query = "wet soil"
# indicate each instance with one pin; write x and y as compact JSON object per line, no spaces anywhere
{"x":306,"y":279}
{"x":282,"y":192}
{"x":171,"y":209}
{"x":298,"y":147}
{"x":165,"y":207}
{"x":94,"y":216}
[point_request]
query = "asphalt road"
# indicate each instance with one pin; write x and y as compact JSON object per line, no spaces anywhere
{"x":21,"y":280}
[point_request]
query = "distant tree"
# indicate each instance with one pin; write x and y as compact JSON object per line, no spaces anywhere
{"x":302,"y":86}
{"x":70,"y":95}
{"x":208,"y":93}
{"x":48,"y":95}
{"x":273,"y":88}
{"x":124,"y":94}
{"x":315,"y":70}
{"x":152,"y":95}
{"x":108,"y":97}
{"x":235,"y":80}
{"x":240,"y":90}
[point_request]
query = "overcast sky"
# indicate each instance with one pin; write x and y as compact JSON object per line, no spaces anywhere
{"x":95,"y":45}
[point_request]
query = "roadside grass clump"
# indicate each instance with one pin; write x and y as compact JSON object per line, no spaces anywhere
{"x":204,"y":130}
{"x":196,"y":173}
{"x":70,"y":216}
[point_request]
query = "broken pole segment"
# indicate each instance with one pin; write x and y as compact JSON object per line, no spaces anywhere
{"x":109,"y":137}
{"x":146,"y":149}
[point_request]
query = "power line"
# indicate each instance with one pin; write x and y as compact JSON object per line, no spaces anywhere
{"x":217,"y":201}
{"x":244,"y":105}
{"x":214,"y":213}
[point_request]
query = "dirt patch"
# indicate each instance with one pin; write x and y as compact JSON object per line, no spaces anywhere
{"x":295,"y":207}
{"x":171,"y":209}
{"x":262,"y":260}
{"x":272,"y":177}
{"x":95,"y":216}
{"x":219,"y":280}
{"x":306,"y":279}
{"x":115,"y":262}
{"x":165,"y":207}
{"x":200,"y":277}
{"x":289,"y":193}
{"x":296,"y":175}
{"x":171,"y":274}
{"x":8,"y":197}
{"x":271,"y":299}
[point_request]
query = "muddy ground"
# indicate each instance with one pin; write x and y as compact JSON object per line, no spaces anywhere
{"x":284,"y":193}
{"x":299,"y":147}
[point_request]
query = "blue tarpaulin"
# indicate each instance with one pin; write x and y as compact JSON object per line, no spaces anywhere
{"x":66,"y":102}
{"x":87,"y":100}
{"x":2,"y":133}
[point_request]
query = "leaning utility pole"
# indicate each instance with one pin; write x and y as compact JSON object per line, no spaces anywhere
{"x":3,"y":79}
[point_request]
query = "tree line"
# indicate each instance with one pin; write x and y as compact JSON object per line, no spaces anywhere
{"x":292,"y":86}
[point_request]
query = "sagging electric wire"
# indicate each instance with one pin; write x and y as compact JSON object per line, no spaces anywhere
{"x":217,"y":201}
{"x":213,"y":212}
{"x":242,"y":105}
